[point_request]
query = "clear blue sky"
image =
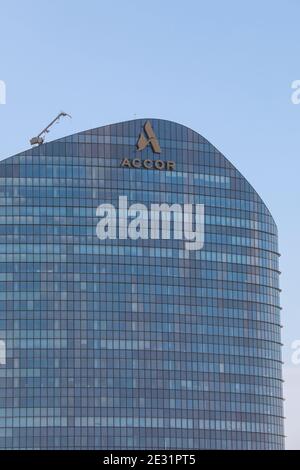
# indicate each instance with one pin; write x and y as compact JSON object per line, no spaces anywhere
{"x":222,"y":68}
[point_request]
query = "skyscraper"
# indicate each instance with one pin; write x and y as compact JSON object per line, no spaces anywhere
{"x":139,"y":296}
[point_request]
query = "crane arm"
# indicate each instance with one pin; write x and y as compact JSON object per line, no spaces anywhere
{"x":40,"y":139}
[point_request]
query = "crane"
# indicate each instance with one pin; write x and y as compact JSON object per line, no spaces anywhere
{"x":41,"y":137}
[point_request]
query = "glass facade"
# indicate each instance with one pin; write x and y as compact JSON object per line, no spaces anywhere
{"x":136,"y":344}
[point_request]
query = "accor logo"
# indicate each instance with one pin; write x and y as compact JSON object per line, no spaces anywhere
{"x":148,"y":164}
{"x":146,"y":138}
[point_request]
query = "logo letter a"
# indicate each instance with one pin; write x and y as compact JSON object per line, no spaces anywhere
{"x":152,"y":139}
